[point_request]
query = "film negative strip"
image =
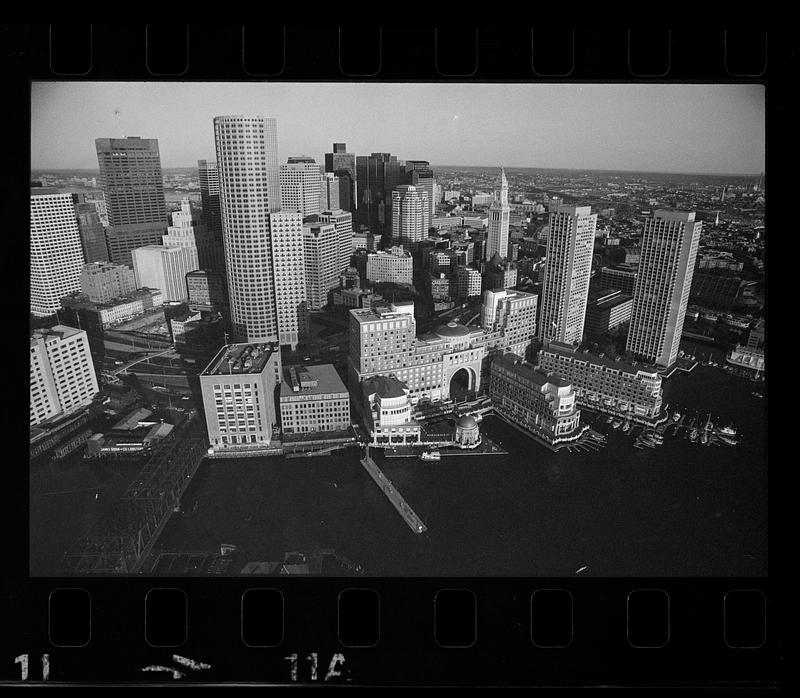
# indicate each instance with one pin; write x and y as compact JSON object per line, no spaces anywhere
{"x":136,"y":612}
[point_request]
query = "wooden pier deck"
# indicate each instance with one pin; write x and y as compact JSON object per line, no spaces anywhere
{"x":414,"y":522}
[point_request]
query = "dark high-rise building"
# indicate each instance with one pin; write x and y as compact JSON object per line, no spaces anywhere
{"x":93,"y":234}
{"x":212,"y":211}
{"x":130,"y":175}
{"x":343,"y":165}
{"x":377,"y":176}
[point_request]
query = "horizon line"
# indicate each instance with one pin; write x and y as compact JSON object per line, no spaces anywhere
{"x":482,"y":167}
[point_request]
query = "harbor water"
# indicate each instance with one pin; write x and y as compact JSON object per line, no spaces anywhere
{"x":682,"y":509}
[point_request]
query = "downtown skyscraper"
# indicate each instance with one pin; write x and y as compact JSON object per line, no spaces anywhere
{"x":264,"y":246}
{"x":567,"y":271}
{"x":55,"y":248}
{"x":208,"y":176}
{"x":343,"y":165}
{"x":377,"y":175}
{"x":411,"y":215}
{"x":668,"y":253}
{"x":247,"y":160}
{"x":301,"y":185}
{"x":499,"y":220}
{"x":130,"y":175}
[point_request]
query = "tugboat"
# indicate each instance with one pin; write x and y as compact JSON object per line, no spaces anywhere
{"x":431,"y":455}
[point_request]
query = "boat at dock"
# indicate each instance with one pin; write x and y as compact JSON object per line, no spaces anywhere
{"x":431,"y":456}
{"x":727,"y":440}
{"x":728,"y":430}
{"x":616,"y":424}
{"x":740,"y":322}
{"x":676,"y":416}
{"x":693,"y":435}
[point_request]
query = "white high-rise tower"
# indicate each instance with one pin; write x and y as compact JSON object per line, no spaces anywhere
{"x":669,"y":249}
{"x":301,"y":185}
{"x":567,"y":271}
{"x":247,"y":159}
{"x":499,"y":219}
{"x":56,"y":252}
{"x":411,"y":215}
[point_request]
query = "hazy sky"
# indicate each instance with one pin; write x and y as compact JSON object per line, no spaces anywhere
{"x":716,"y":129}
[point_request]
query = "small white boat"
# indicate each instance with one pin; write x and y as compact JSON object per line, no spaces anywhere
{"x":431,"y":455}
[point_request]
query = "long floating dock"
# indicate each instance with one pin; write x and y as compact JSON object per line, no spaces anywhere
{"x":413,"y":521}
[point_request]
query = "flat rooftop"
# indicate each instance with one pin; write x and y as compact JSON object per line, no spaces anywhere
{"x":686,"y":216}
{"x":382,"y":312}
{"x":608,"y":299}
{"x":240,"y":359}
{"x":628,"y":267}
{"x":529,"y":371}
{"x":311,"y":380}
{"x":569,"y":350}
{"x":60,"y":331}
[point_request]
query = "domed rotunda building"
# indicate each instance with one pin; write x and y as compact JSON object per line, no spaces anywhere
{"x":468,"y":432}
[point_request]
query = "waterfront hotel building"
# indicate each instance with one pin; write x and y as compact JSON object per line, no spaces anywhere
{"x":383,"y":341}
{"x":387,"y":412}
{"x":669,"y":249}
{"x":540,"y":404}
{"x":606,"y":385}
{"x":238,"y":388}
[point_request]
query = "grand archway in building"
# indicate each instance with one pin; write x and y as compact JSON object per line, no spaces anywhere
{"x":462,"y":384}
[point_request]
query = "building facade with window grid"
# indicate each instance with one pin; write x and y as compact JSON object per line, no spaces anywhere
{"x":544,"y":405}
{"x":238,"y":389}
{"x":57,"y":258}
{"x":567,"y":271}
{"x":289,"y":274}
{"x":247,"y":161}
{"x":606,"y":385}
{"x":313,"y":399}
{"x":669,"y":250}
{"x":133,"y":188}
{"x":62,"y":375}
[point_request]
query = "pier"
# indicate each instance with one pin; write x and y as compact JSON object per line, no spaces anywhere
{"x":121,"y":545}
{"x":413,"y":521}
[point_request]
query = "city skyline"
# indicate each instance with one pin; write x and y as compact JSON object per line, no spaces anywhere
{"x":675,"y":129}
